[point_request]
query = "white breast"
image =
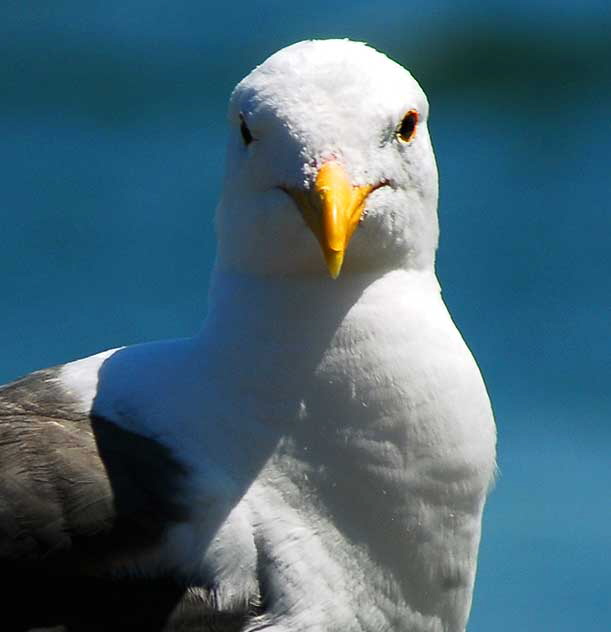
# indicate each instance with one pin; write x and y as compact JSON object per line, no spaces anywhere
{"x":365,"y":510}
{"x":339,"y":469}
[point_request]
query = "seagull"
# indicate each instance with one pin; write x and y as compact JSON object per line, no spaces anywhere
{"x":317,"y":457}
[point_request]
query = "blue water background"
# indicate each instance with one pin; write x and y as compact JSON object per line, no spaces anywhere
{"x":112,"y":126}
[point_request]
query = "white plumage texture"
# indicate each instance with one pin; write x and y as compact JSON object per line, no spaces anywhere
{"x":338,"y":433}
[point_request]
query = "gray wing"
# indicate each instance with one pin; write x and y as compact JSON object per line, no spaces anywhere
{"x":79,"y":496}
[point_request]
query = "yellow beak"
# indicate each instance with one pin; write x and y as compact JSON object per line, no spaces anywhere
{"x":332,"y":209}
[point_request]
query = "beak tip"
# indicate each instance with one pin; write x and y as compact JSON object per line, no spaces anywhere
{"x":335,"y":259}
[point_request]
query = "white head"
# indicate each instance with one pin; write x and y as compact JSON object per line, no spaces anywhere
{"x":323,"y":141}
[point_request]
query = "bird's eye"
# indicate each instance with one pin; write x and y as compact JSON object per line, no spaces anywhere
{"x":246,"y":135}
{"x":407,"y":128}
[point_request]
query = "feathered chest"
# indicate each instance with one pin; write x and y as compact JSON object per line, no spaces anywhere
{"x":354,"y":476}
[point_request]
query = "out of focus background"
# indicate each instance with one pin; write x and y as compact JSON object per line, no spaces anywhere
{"x":112,"y":127}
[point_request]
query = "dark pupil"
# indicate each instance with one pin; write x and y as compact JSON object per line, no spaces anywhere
{"x":408,"y":125}
{"x":246,"y":135}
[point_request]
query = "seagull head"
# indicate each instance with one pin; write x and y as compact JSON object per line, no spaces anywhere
{"x":328,"y":154}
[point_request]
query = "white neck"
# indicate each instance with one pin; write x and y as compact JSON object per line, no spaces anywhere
{"x":266,"y":315}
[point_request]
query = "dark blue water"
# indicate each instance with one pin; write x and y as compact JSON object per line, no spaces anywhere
{"x":111,"y":143}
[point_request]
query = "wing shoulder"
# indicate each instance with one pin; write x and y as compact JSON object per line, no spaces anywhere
{"x":72,"y":483}
{"x":81,"y":498}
